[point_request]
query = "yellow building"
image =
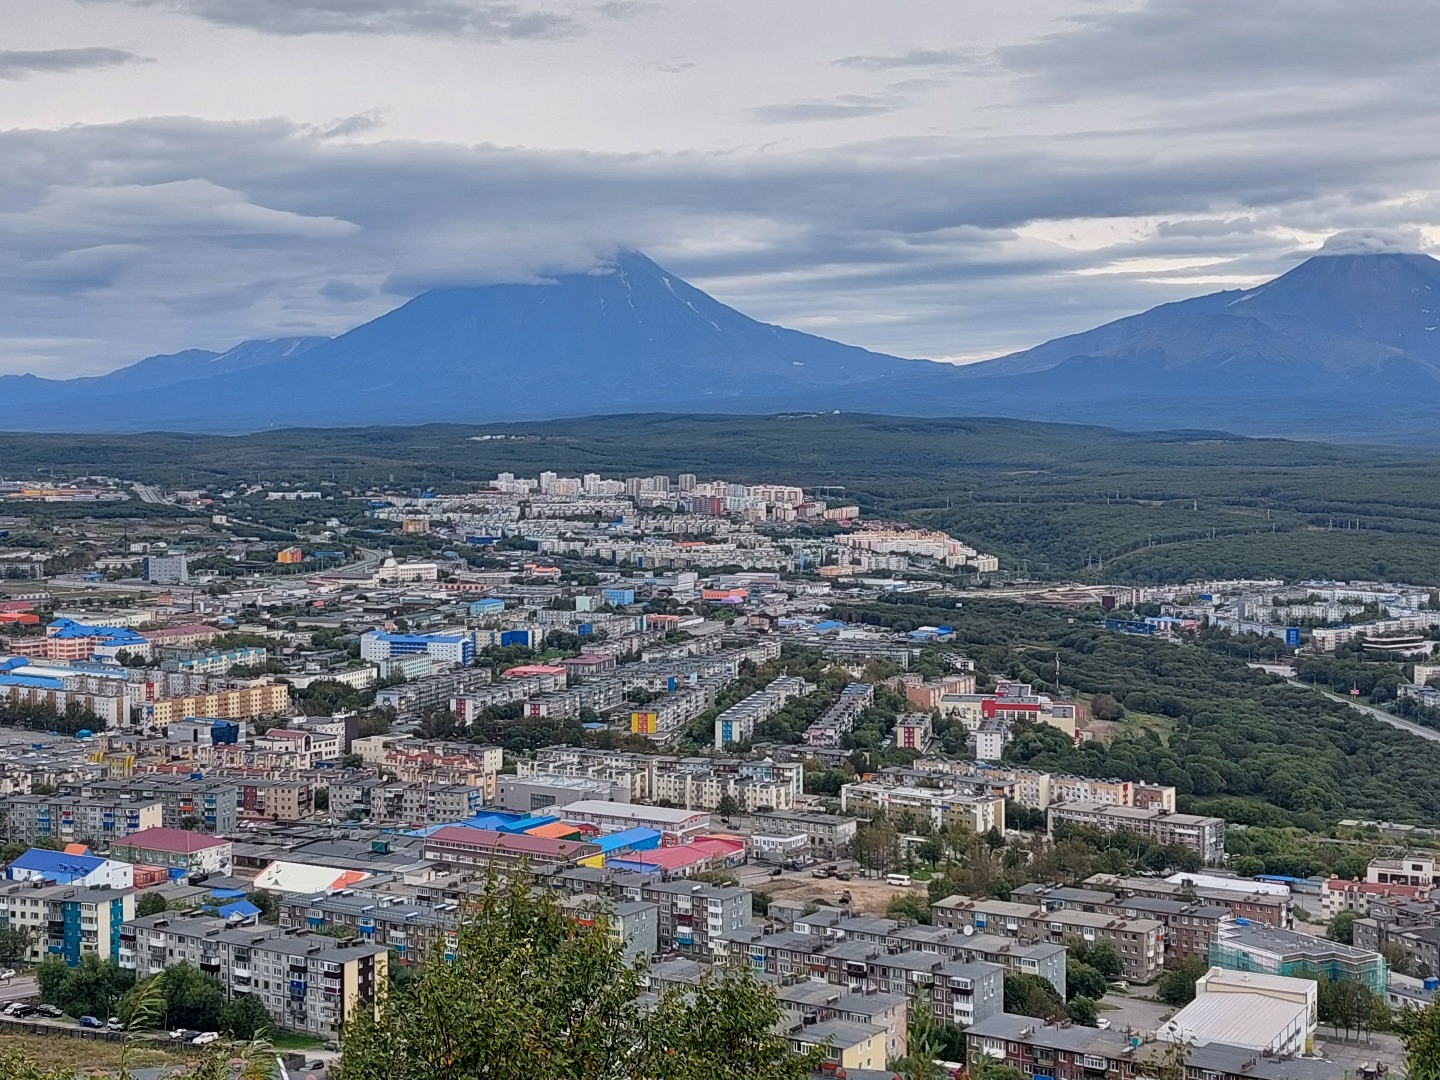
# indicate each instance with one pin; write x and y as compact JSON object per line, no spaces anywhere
{"x":852,"y":1045}
{"x":267,"y":699}
{"x":290,"y":555}
{"x":644,"y":723}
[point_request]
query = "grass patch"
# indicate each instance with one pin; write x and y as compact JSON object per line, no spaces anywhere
{"x":51,"y":1051}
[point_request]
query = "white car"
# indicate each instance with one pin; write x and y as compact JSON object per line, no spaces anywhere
{"x":1103,"y":1023}
{"x":7,"y":974}
{"x":205,"y":1037}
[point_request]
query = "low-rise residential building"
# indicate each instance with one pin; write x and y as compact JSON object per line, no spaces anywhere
{"x":307,"y":983}
{"x":203,"y":805}
{"x":1338,"y":894}
{"x":1205,"y":836}
{"x":26,"y":819}
{"x":692,"y":915}
{"x":943,"y":808}
{"x":68,"y":922}
{"x":481,"y":849}
{"x":1140,"y":943}
{"x":737,"y":723}
{"x":245,"y":703}
{"x":1190,"y":925}
{"x":176,"y":849}
{"x":1249,"y":900}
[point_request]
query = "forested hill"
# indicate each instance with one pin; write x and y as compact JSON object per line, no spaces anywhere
{"x":1234,"y":741}
{"x":1055,"y":500}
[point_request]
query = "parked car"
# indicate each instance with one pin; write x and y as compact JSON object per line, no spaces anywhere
{"x":331,"y":1044}
{"x":184,"y":1034}
{"x":204,"y":1038}
{"x":7,"y":974}
{"x":843,"y":875}
{"x":1103,"y":1023}
{"x":115,"y":1024}
{"x":19,"y":1010}
{"x":89,"y":1022}
{"x":776,"y":872}
{"x":51,"y":1011}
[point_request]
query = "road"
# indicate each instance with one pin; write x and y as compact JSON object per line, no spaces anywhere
{"x":20,"y":988}
{"x":1429,"y":734}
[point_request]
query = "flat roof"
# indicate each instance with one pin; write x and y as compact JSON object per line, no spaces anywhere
{"x":1254,"y":1021}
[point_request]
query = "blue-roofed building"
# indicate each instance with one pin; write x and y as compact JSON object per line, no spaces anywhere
{"x":486,"y":605}
{"x":446,"y":648}
{"x":41,"y":864}
{"x":627,"y":840}
{"x":66,"y":639}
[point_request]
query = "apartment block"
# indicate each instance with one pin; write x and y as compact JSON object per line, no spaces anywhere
{"x":1140,"y":943}
{"x":307,"y":983}
{"x":67,"y":922}
{"x":737,"y":723}
{"x":248,"y":703}
{"x":1205,"y":836}
{"x":26,"y":819}
{"x":1244,"y":900}
{"x":208,"y":805}
{"x":1190,"y":926}
{"x":941,"y":807}
{"x":692,"y":915}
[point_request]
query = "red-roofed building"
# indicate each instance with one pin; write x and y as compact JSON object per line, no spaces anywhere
{"x":176,"y":849}
{"x":1339,"y":895}
{"x":532,"y":669}
{"x":481,"y":848}
{"x":684,"y":860}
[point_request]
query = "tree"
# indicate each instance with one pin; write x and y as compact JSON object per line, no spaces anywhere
{"x":322,"y":799}
{"x":1082,"y":980}
{"x":1177,"y":984}
{"x":1420,"y":1033}
{"x":244,"y":1017}
{"x":1397,"y":958}
{"x":1104,"y":959}
{"x":1105,"y":707}
{"x":151,"y":903}
{"x":268,"y":905}
{"x":15,"y":943}
{"x":908,"y":906}
{"x":532,"y":994}
{"x":192,"y":998}
{"x":1342,"y":928}
{"x":876,"y":845}
{"x":93,"y":987}
{"x":1081,"y":1009}
{"x":727,"y":806}
{"x":1032,"y":995}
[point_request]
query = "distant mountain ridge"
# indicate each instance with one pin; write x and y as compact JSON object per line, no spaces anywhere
{"x":1343,"y":346}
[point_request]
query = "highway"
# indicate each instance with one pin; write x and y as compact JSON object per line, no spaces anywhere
{"x":1429,"y":734}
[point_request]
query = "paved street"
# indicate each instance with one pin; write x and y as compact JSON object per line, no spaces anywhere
{"x":20,"y":988}
{"x":1133,"y":1011}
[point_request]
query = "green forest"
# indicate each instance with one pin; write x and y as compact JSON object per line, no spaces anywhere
{"x":1237,"y":743}
{"x":1053,"y":500}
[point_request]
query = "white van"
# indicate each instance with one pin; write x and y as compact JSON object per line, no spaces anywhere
{"x":902,"y":880}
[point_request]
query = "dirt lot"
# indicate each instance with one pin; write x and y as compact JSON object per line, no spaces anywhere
{"x":867,"y":897}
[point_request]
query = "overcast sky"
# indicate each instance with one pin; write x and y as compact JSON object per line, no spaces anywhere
{"x":944,"y":178}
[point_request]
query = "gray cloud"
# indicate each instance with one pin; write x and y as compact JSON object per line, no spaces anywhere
{"x":844,"y":107}
{"x":1230,"y":47}
{"x":22,"y":63}
{"x":1373,"y":242}
{"x":485,"y":19}
{"x":948,"y":59}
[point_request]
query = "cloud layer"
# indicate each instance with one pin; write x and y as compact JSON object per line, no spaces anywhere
{"x":926,"y":188}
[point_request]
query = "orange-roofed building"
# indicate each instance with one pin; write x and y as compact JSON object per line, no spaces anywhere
{"x":556,"y":830}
